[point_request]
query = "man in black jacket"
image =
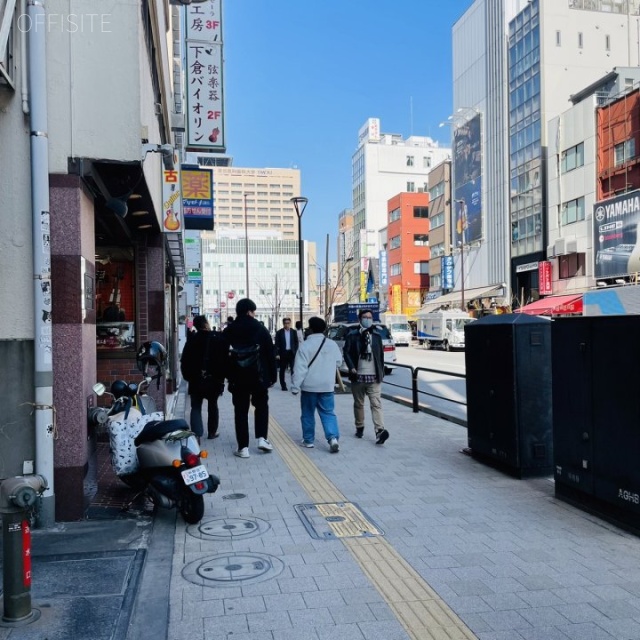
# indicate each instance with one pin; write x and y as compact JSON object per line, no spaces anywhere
{"x":192,"y":364}
{"x":286,"y":348}
{"x":250,"y":380}
{"x":364,"y":356}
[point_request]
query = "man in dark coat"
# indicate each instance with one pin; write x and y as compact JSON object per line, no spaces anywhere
{"x":193,"y":362}
{"x":249,"y":384}
{"x":364,"y":356}
{"x":286,"y":342}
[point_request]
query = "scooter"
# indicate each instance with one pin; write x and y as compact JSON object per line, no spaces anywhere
{"x":158,"y":457}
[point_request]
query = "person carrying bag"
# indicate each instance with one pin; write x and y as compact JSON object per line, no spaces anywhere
{"x":314,"y":375}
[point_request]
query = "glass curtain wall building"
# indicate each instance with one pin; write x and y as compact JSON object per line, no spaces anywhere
{"x":525,"y":132}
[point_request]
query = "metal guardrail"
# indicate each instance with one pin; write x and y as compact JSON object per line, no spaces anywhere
{"x":415,"y":391}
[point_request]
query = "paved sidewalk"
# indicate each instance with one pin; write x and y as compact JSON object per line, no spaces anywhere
{"x":466,"y":552}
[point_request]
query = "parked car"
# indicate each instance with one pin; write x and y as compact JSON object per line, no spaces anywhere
{"x":338,"y":330}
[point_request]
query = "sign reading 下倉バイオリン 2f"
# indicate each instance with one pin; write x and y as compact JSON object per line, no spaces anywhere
{"x":203,"y":76}
{"x":616,"y":241}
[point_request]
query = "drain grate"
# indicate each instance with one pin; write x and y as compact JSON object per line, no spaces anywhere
{"x":334,"y":520}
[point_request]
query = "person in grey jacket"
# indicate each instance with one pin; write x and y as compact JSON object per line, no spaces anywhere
{"x":314,"y":375}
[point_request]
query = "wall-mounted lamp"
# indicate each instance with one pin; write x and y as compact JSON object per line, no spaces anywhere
{"x":165,"y":149}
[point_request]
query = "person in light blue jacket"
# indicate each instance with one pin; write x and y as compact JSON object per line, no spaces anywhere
{"x":314,"y":375}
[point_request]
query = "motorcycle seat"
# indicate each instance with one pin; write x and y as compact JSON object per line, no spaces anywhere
{"x":155,"y":429}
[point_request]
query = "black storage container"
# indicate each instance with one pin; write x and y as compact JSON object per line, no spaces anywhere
{"x":508,"y":363}
{"x":596,"y":414}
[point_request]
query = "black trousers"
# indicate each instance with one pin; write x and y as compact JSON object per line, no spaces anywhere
{"x":286,"y":360}
{"x":196,"y":415}
{"x":258,"y":396}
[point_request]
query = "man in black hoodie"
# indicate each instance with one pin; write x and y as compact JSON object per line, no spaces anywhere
{"x":250,"y":366}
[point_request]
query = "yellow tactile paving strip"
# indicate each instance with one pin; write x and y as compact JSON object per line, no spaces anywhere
{"x":418,"y":608}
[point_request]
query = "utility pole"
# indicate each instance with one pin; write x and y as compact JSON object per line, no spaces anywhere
{"x":326,"y":281}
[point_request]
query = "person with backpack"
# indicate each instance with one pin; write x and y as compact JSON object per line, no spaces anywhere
{"x":314,"y":374}
{"x":194,"y":363}
{"x":249,"y":364}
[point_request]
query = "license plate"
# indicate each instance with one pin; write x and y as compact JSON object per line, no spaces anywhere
{"x":195,"y":474}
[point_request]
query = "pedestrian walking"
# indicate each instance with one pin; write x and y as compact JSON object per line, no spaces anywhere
{"x":364,"y":356}
{"x":197,"y":365}
{"x":300,"y":332}
{"x":249,"y":363}
{"x":286,"y":342}
{"x":314,"y":376}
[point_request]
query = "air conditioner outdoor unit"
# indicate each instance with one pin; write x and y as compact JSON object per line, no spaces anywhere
{"x":559,"y":247}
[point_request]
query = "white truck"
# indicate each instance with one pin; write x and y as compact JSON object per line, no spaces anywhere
{"x":399,"y":326}
{"x":442,"y":328}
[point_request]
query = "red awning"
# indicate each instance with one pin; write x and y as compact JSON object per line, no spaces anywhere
{"x":553,"y":306}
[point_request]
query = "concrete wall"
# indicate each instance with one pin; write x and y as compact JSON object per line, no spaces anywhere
{"x":93,"y":82}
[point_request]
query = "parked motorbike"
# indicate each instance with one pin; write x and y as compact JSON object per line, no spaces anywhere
{"x":159,"y":457}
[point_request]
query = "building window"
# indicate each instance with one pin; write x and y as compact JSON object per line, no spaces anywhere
{"x":435,"y":281}
{"x":607,"y":43}
{"x":572,"y":211}
{"x":437,"y":190}
{"x":395,"y":270}
{"x":409,"y":161}
{"x":420,"y":212}
{"x":628,"y":83}
{"x":580,"y":41}
{"x":421,"y":267}
{"x":571,"y":265}
{"x":426,"y":162}
{"x":437,"y":250}
{"x":572,"y":158}
{"x":411,"y":187}
{"x":624,"y":151}
{"x":421,"y":239}
{"x":394,"y":215}
{"x":558,"y":38}
{"x":394,"y":242}
{"x":437,"y":220}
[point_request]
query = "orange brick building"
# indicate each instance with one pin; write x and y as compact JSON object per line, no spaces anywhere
{"x":408,"y":251}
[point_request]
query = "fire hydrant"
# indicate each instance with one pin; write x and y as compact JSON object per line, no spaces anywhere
{"x":18,"y":497}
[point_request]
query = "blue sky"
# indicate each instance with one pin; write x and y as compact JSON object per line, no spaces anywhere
{"x":302,"y":76}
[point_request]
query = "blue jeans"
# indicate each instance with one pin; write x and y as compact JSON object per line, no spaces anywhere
{"x":324,"y":403}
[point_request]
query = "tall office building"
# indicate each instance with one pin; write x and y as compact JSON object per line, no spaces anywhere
{"x":516,"y":64}
{"x":384,"y":165}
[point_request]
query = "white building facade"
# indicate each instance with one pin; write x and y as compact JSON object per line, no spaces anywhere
{"x":384,"y":165}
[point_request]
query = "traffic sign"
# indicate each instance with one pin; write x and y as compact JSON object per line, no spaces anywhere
{"x":223,"y":304}
{"x":216,"y":310}
{"x":231,"y":295}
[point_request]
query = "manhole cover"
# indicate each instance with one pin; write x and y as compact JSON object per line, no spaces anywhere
{"x":234,"y":496}
{"x":228,"y":528}
{"x":333,"y":520}
{"x":228,"y":568}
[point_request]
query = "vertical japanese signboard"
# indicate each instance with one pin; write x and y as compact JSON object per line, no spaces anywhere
{"x":446,"y":266}
{"x":197,"y":199}
{"x":544,"y":278}
{"x":397,"y":298}
{"x":171,"y":201}
{"x":364,"y":273}
{"x":203,"y":76}
{"x":383,"y":276}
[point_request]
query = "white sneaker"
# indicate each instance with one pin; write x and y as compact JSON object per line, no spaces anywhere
{"x":242,"y":453}
{"x":334,"y":447}
{"x":264,"y":445}
{"x":307,"y":445}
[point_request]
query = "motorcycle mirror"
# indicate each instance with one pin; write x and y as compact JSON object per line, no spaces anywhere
{"x":99,"y":388}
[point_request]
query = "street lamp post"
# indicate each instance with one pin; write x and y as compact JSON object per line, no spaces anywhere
{"x":246,"y":245}
{"x":300,"y":204}
{"x":220,"y":295}
{"x":463,"y":204}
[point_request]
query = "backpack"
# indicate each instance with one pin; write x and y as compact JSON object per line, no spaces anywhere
{"x":245,"y":364}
